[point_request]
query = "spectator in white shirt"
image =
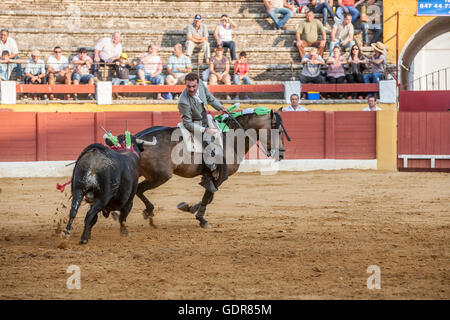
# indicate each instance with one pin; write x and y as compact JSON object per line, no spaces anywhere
{"x":150,"y":68}
{"x":372,"y":104}
{"x":295,"y":99}
{"x":107,"y":50}
{"x":10,"y":45}
{"x":35,"y":71}
{"x":58,"y":69}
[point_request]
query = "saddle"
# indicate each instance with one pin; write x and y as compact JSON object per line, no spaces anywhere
{"x":192,"y":144}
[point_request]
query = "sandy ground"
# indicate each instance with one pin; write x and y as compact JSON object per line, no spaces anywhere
{"x":287,"y":236}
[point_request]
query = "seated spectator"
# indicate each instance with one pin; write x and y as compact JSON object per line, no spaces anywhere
{"x":342,"y":34}
{"x":4,"y":65}
{"x":275,"y":7}
{"x":357,"y":63}
{"x":219,"y":69}
{"x":372,"y":104}
{"x":150,"y":68}
{"x":308,"y":33}
{"x":295,"y":99}
{"x":9,"y":44}
{"x":336,"y":71}
{"x":58,"y":69}
{"x":311,"y":68}
{"x":302,"y":5}
{"x":197,"y":35}
{"x":122,"y":72}
{"x":107,"y":50}
{"x":345,"y":7}
{"x":325,"y":7}
{"x":241,"y":70}
{"x":378,"y":64}
{"x":370,"y":20}
{"x":82,"y":64}
{"x":223,"y":35}
{"x":35,"y":71}
{"x":178,"y":66}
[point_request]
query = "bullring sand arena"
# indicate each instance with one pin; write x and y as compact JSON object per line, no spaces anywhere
{"x":308,"y":235}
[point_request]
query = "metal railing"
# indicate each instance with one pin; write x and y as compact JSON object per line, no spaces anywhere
{"x":436,"y":80}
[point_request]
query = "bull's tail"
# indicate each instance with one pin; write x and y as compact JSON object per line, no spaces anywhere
{"x":77,"y":197}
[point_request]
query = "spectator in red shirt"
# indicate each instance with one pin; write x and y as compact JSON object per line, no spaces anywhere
{"x":347,"y":6}
{"x":241,"y":70}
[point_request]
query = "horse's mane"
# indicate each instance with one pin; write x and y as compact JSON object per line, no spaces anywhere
{"x":233,"y":124}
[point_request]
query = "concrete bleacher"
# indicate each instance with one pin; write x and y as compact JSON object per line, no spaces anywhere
{"x":272,"y":54}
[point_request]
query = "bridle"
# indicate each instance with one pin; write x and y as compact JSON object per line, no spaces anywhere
{"x":274,"y":125}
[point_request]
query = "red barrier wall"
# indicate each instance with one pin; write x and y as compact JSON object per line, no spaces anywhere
{"x":41,"y":136}
{"x":425,"y":101}
{"x":425,"y":133}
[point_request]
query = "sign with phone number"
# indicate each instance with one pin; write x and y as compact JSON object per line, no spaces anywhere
{"x":433,"y":7}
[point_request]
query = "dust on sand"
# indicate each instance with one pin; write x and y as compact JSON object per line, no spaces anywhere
{"x":286,"y":236}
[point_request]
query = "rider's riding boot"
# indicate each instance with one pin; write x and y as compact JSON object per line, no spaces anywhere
{"x":208,"y":183}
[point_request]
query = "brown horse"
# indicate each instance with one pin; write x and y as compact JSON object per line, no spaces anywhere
{"x":157,"y":164}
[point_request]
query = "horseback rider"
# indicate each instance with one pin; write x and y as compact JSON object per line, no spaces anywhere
{"x":192,"y":106}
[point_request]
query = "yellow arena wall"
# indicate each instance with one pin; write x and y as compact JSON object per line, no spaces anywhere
{"x":409,"y":23}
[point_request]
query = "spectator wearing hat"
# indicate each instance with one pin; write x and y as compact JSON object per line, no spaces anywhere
{"x":178,"y":66}
{"x":295,"y":99}
{"x":58,"y":69}
{"x":107,"y":50}
{"x":378,"y":63}
{"x":197,"y":36}
{"x":82,"y":64}
{"x":150,"y":68}
{"x":307,"y":35}
{"x":219,"y":69}
{"x":9,"y":44}
{"x":223,"y":35}
{"x":35,"y":70}
{"x":276,"y":7}
{"x":372,"y":104}
{"x":122,"y":72}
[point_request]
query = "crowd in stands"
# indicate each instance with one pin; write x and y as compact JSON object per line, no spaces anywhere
{"x":311,"y":39}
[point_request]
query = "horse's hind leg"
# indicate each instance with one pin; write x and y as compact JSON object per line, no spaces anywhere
{"x":207,"y":199}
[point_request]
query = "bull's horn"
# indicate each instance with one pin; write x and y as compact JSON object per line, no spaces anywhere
{"x":147,"y":143}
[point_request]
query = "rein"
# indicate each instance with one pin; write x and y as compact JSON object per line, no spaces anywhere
{"x":254,"y":142}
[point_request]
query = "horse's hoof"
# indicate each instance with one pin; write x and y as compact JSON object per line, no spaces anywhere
{"x":65,"y":234}
{"x":145,"y":214}
{"x":124,"y":233}
{"x":205,"y":225}
{"x":83,"y":241}
{"x":183,"y":206}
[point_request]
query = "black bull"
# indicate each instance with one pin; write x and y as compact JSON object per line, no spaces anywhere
{"x":108,"y":180}
{"x":157,"y":167}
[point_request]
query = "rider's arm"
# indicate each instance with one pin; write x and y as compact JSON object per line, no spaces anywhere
{"x":211,"y":99}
